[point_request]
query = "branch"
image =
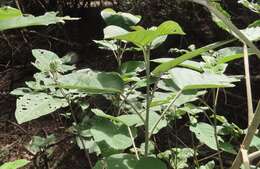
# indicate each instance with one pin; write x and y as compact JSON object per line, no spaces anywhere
{"x":248,"y":138}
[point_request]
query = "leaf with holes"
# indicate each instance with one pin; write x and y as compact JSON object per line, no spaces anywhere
{"x":47,"y":60}
{"x":33,"y":106}
{"x":30,"y":20}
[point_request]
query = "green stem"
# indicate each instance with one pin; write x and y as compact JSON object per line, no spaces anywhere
{"x":231,"y":26}
{"x":146,"y":53}
{"x":215,"y":101}
{"x":165,"y":111}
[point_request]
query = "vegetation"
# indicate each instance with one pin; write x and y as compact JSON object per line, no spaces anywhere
{"x":145,"y":96}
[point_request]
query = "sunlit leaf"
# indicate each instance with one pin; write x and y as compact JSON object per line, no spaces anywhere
{"x":209,"y":165}
{"x":33,"y":106}
{"x":144,"y":37}
{"x":188,"y":63}
{"x":92,"y":82}
{"x":230,"y":53}
{"x":29,"y":20}
{"x":252,"y":33}
{"x":189,"y":79}
{"x":14,"y":164}
{"x":253,"y":6}
{"x":8,"y":12}
{"x":164,"y":67}
{"x":121,"y":19}
{"x":46,"y":61}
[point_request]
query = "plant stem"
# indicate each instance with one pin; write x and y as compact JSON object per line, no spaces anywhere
{"x":248,"y":138}
{"x":248,"y":86}
{"x":146,"y":53}
{"x":133,"y":142}
{"x":229,"y":24}
{"x":215,"y":100}
{"x":55,"y":78}
{"x":165,"y":111}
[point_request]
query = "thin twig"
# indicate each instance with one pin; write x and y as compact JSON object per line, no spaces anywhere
{"x":165,"y":111}
{"x":245,"y":158}
{"x":248,"y":138}
{"x":250,"y":109}
{"x":215,"y":100}
{"x":133,"y":142}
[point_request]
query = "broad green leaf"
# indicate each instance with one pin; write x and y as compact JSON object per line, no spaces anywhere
{"x":127,"y":161}
{"x":150,"y":163}
{"x":128,"y":120}
{"x":209,"y":165}
{"x":118,"y":161}
{"x":8,"y":12}
{"x":164,"y":98}
{"x":134,"y":119}
{"x":205,"y":134}
{"x":15,"y":164}
{"x":255,"y":23}
{"x":255,"y":142}
{"x":177,"y":157}
{"x":29,"y":20}
{"x":129,"y":70}
{"x":188,"y":63}
{"x":46,"y":61}
{"x":92,"y":82}
{"x":230,"y":53}
{"x":113,"y":31}
{"x":253,"y":6}
{"x":115,"y":135}
{"x":227,"y":147}
{"x":164,"y":67}
{"x":187,"y":79}
{"x":252,"y":33}
{"x":21,"y":91}
{"x":154,"y":117}
{"x":37,"y":144}
{"x":89,"y":144}
{"x":107,"y":44}
{"x":218,"y":21}
{"x":121,"y":19}
{"x":158,"y":41}
{"x":142,"y":38}
{"x":151,"y":148}
{"x":33,"y":106}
